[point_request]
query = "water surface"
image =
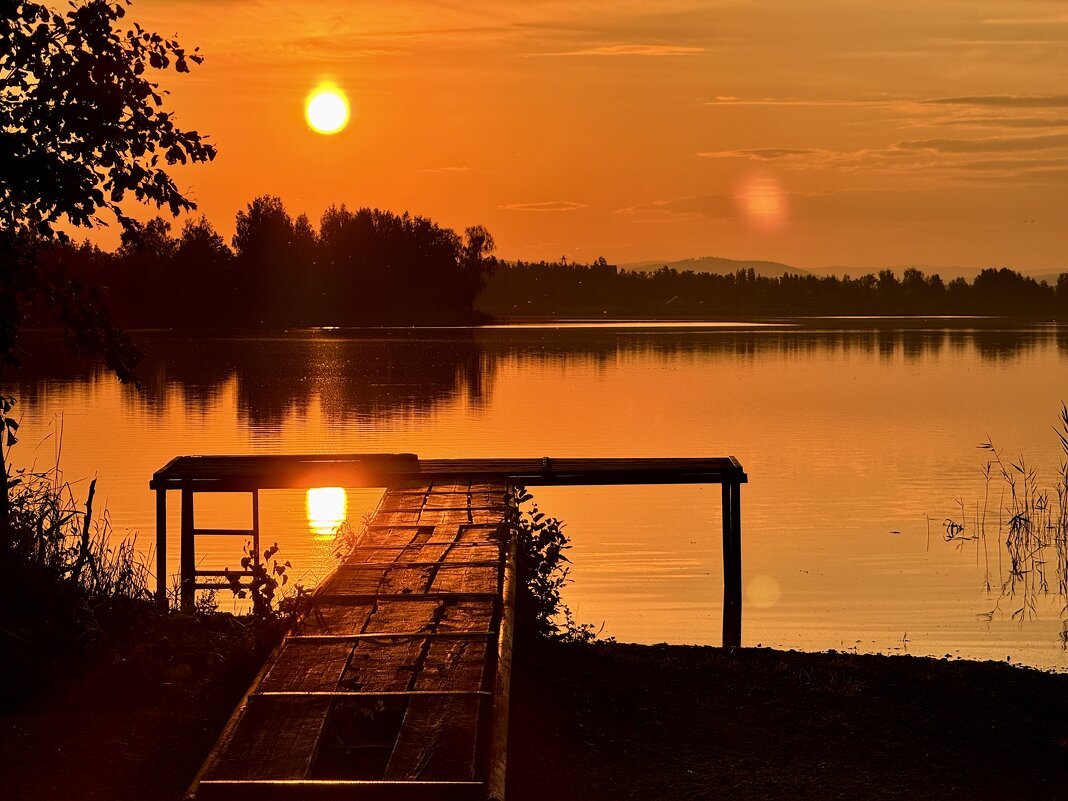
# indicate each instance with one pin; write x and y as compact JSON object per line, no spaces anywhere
{"x":858,"y":440}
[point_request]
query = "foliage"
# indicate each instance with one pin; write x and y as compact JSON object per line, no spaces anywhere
{"x":542,"y":572}
{"x":266,"y":577}
{"x":81,"y":127}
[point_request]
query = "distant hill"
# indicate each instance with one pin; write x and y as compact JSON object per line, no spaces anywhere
{"x":714,"y":264}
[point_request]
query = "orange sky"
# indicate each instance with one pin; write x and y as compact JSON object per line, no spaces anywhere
{"x":827,"y":132}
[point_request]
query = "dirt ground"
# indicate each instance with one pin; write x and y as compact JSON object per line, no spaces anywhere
{"x":616,"y":721}
{"x":676,"y":722}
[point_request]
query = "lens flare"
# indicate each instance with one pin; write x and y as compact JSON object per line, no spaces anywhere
{"x":763,"y":203}
{"x":327,"y":110}
{"x":327,"y":509}
{"x":762,"y":592}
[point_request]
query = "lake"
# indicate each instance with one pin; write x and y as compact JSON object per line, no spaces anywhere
{"x":859,"y":437}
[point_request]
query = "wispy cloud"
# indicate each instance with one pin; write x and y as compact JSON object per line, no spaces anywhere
{"x":799,"y":101}
{"x":1006,"y":122}
{"x":1053,"y":19}
{"x":1001,"y":101}
{"x":622,"y":49}
{"x":716,"y":206}
{"x":987,"y":145}
{"x":758,"y":154}
{"x":549,"y":205}
{"x":444,"y":169}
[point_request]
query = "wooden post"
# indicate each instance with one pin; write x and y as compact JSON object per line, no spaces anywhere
{"x":256,"y":525}
{"x":732,"y":566}
{"x":188,"y":568}
{"x":161,"y":549}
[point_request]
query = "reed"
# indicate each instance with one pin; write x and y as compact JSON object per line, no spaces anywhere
{"x":1031,"y":535}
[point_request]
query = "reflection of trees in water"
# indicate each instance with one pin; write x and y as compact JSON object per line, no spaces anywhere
{"x":279,"y":377}
{"x":401,"y":372}
{"x":600,"y":346}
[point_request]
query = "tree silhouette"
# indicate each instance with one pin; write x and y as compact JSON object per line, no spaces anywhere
{"x":81,"y":128}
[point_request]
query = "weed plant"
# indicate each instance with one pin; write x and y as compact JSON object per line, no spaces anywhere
{"x":542,"y":571}
{"x":1031,"y":532}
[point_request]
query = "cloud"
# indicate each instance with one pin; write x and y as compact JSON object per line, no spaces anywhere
{"x":1007,"y":122}
{"x":620,"y":49}
{"x":716,"y":207}
{"x":760,"y":154}
{"x":1056,"y":19}
{"x":990,"y":145}
{"x":797,"y":101}
{"x":444,"y":169}
{"x":550,"y":205}
{"x":1001,"y":101}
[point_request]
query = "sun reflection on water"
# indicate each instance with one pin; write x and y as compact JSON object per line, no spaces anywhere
{"x":327,"y":509}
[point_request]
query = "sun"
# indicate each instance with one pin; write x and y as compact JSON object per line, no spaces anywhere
{"x":327,"y":110}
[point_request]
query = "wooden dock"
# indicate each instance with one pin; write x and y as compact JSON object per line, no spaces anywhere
{"x":395,"y":684}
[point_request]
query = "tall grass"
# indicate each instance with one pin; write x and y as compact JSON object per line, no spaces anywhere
{"x":66,"y":584}
{"x":1031,"y":535}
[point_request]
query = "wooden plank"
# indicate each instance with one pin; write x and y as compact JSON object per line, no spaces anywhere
{"x":443,"y":517}
{"x":478,"y":552}
{"x":378,"y":535}
{"x":401,"y":580}
{"x":409,"y":518}
{"x":340,"y":790}
{"x":489,"y":500}
{"x":466,"y":615}
{"x":383,"y":665}
{"x":405,"y":615}
{"x":437,"y":740}
{"x":488,"y":516}
{"x":379,"y":555}
{"x":430,"y":552}
{"x":308,"y":666}
{"x":493,"y":531}
{"x":275,"y":739}
{"x":326,"y":618}
{"x":237,"y":473}
{"x":452,"y":664}
{"x":353,"y":582}
{"x":467,"y":579}
{"x":447,"y":532}
{"x":247,"y":533}
{"x":454,"y":485}
{"x":358,"y":738}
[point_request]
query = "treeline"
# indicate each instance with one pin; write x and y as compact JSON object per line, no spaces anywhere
{"x":372,"y":267}
{"x":358,"y":267}
{"x":601,"y":291}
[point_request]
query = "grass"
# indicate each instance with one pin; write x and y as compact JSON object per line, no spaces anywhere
{"x":74,"y":600}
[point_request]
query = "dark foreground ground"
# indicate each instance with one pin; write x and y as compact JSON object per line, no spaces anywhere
{"x":621,"y":721}
{"x":676,"y":722}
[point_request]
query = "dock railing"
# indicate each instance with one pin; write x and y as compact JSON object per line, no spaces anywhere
{"x":189,"y":475}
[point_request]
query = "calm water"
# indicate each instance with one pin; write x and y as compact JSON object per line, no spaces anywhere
{"x":852,"y":437}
